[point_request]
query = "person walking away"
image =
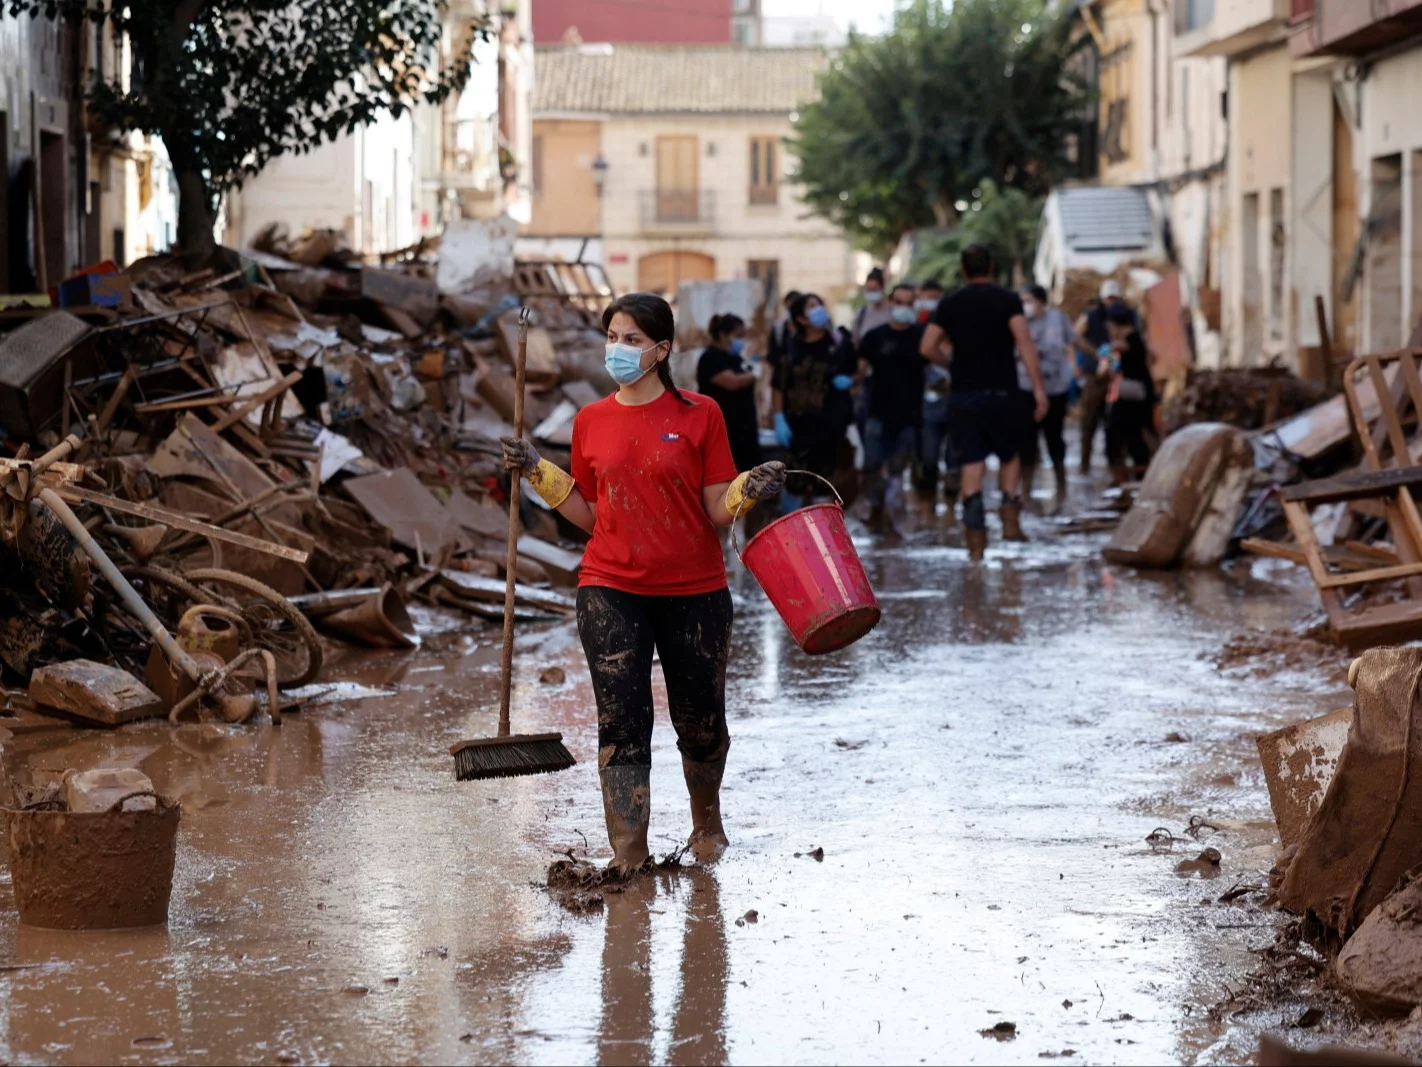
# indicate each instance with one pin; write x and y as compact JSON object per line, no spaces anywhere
{"x":652,"y":479}
{"x":811,"y":401}
{"x":1055,"y":339}
{"x":727,"y":376}
{"x":875,"y":311}
{"x":985,"y":331}
{"x":935,"y":447}
{"x":1132,"y":396}
{"x":1092,"y":336}
{"x":890,"y":360}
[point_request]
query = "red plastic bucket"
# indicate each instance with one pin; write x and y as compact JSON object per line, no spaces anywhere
{"x":807,"y":566}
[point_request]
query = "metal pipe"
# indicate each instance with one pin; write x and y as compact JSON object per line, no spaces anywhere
{"x":126,"y":593}
{"x":317,"y":604}
{"x":55,"y":454}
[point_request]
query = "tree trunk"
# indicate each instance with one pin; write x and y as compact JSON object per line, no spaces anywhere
{"x":196,"y":220}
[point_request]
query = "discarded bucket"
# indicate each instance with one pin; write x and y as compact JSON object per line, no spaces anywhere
{"x":93,"y":870}
{"x":806,"y":563}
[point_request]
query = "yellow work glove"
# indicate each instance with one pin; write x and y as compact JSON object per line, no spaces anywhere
{"x":758,"y":483}
{"x":546,"y":479}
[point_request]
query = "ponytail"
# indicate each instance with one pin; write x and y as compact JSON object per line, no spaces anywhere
{"x":665,"y":376}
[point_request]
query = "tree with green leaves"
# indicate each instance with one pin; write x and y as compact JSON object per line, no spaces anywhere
{"x":1008,"y":221}
{"x":230,"y":85}
{"x":909,"y":124}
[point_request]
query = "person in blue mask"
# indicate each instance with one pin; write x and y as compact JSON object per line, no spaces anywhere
{"x":652,"y":479}
{"x":727,"y":374}
{"x":812,"y":403}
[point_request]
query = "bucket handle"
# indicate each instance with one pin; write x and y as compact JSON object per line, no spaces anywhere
{"x":745,"y":507}
{"x":121,"y":801}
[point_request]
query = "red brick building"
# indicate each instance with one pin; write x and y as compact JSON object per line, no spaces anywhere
{"x":635,"y":21}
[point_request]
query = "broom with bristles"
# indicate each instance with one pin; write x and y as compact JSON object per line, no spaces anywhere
{"x":506,"y":755}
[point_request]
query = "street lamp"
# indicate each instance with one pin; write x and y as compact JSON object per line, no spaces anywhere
{"x":599,"y":172}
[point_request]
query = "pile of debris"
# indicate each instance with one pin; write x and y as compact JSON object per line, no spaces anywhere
{"x":1247,"y":398}
{"x":200,"y":470}
{"x":1298,"y":490}
{"x":1348,"y":805}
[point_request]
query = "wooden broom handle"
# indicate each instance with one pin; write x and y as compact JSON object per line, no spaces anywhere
{"x":511,"y":553}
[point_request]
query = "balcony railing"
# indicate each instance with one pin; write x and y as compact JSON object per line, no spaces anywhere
{"x":674,"y":209}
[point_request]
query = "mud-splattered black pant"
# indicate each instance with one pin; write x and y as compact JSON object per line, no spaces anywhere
{"x":692,"y":634}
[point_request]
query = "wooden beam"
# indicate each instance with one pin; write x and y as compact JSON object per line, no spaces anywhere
{"x":236,"y":415}
{"x":1355,"y":485}
{"x":171,"y":518}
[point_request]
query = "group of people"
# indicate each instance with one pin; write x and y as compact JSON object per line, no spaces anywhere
{"x":934,"y":384}
{"x":655,"y":472}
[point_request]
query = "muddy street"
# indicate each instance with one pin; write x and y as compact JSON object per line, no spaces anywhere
{"x":981,"y":774}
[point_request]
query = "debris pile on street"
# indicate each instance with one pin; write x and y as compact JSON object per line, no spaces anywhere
{"x":1295,"y":489}
{"x":201,"y":470}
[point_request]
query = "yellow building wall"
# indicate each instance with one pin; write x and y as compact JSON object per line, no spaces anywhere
{"x":565,"y":197}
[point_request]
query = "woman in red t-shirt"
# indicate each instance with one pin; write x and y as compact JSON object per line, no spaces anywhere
{"x":652,"y":480}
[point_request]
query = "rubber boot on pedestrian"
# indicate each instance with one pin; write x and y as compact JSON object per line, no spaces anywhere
{"x":703,"y":785}
{"x":1011,"y":515}
{"x":627,"y":806}
{"x":1060,"y":471}
{"x":975,"y":526}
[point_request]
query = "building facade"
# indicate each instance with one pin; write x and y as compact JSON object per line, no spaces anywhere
{"x":390,"y":183}
{"x":71,"y":193}
{"x":618,"y":22}
{"x":669,"y":165}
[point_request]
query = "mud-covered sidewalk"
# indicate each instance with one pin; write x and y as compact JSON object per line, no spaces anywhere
{"x":981,"y":773}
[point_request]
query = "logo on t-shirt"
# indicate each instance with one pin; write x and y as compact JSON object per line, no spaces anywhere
{"x":671,"y":437}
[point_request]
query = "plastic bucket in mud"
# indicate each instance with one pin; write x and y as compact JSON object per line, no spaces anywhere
{"x":93,"y":870}
{"x":806,"y":563}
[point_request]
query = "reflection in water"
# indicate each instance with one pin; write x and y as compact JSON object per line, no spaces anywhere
{"x":698,"y":1033}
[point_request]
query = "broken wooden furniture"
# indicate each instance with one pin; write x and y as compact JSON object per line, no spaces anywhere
{"x":1364,"y":624}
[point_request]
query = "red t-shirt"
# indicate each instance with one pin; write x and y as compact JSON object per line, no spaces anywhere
{"x":643,"y":469}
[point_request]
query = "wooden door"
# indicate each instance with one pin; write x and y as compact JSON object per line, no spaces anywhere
{"x":676,"y":179}
{"x":663,"y":272}
{"x":1345,"y":231}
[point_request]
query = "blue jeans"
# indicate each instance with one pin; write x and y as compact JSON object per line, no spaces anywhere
{"x":935,"y":445}
{"x":891,"y":451}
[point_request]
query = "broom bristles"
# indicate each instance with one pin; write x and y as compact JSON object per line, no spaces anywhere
{"x":510,"y":757}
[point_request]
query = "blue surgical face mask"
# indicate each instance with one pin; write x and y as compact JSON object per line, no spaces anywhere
{"x":819,"y":317}
{"x":624,"y":363}
{"x":873,"y":296}
{"x":738,"y":346}
{"x":904,"y":316}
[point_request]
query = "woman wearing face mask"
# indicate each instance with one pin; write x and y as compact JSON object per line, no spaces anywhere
{"x":1055,"y":338}
{"x":652,"y":479}
{"x":875,"y":312}
{"x":728,"y":376}
{"x":812,"y":404}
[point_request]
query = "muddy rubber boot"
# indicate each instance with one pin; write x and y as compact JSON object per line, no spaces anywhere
{"x":952,"y":487}
{"x":1011,"y":515}
{"x":977,"y":544}
{"x":703,"y":785}
{"x":1029,"y":478}
{"x":627,"y":806}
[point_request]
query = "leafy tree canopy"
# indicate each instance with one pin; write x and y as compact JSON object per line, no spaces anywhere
{"x":908,"y":124}
{"x":1006,"y":220}
{"x":231,"y":84}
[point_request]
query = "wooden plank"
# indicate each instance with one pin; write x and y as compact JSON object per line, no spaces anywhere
{"x":1373,"y":574}
{"x":1274,"y":550}
{"x":182,"y":405}
{"x":1396,"y":437}
{"x":1302,"y":527}
{"x":1408,"y":360}
{"x":239,"y":413}
{"x":1354,"y":485}
{"x":154,"y":513}
{"x":125,"y":383}
{"x":1387,"y":624}
{"x":1377,"y":552}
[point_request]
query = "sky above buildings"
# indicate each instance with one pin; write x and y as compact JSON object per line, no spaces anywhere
{"x":870,"y":16}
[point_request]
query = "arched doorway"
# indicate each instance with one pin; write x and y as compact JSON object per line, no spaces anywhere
{"x":662,"y":272}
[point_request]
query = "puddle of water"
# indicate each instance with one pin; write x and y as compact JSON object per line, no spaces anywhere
{"x":981,"y":773}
